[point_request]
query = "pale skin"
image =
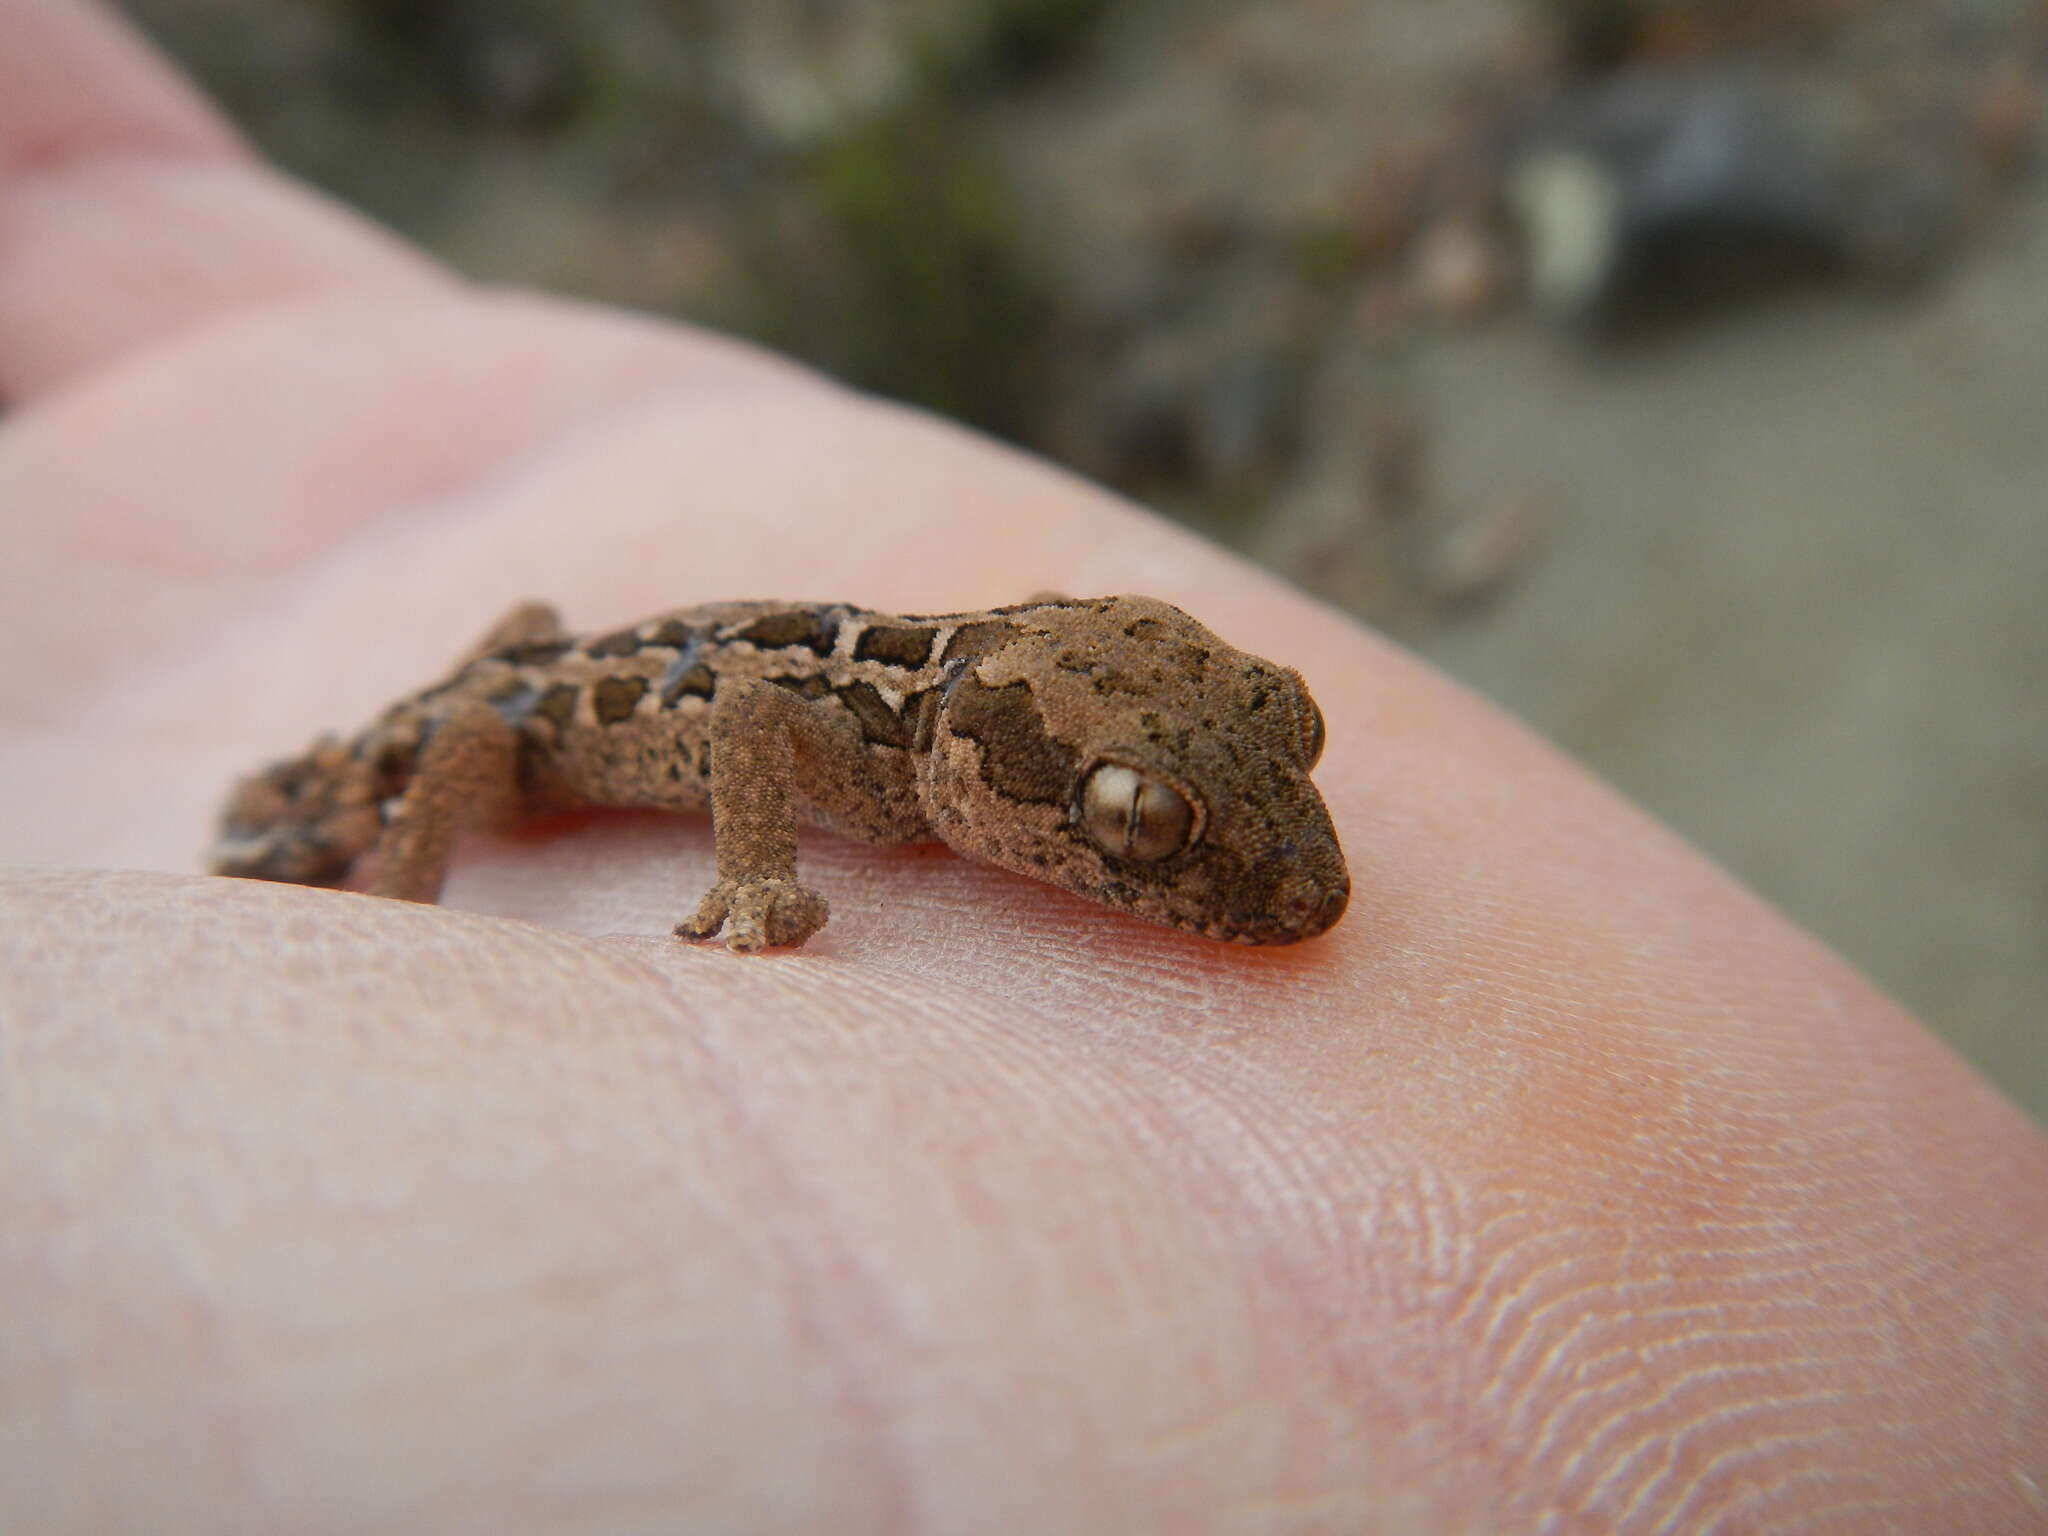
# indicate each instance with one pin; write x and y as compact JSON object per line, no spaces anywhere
{"x":1561,"y":1186}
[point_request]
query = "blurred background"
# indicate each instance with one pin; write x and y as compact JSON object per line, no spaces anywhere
{"x":1674,"y":372}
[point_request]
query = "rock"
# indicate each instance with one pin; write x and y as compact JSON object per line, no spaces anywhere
{"x":1672,"y":185}
{"x":1569,"y":204}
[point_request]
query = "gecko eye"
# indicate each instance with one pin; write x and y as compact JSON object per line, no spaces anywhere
{"x":1134,"y":816}
{"x":1311,"y":731}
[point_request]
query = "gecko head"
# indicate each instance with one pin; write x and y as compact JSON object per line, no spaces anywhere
{"x":1120,"y":750}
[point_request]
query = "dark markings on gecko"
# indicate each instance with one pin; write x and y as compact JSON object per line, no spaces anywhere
{"x":620,"y":642}
{"x":971,"y":640}
{"x":615,"y":698}
{"x":558,"y":704}
{"x":895,"y":645}
{"x":1018,"y":758}
{"x":878,"y":722}
{"x":809,"y":628}
{"x":687,"y":678}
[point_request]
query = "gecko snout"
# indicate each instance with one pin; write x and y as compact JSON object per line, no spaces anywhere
{"x":1314,"y":913}
{"x":1307,"y":904}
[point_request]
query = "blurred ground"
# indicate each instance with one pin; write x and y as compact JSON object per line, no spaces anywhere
{"x":1670,"y":370}
{"x":1796,"y":608}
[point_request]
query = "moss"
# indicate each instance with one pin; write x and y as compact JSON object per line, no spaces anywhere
{"x":1598,"y":34}
{"x":513,"y":62}
{"x":1020,"y":39}
{"x":894,"y":258}
{"x":1327,"y":254}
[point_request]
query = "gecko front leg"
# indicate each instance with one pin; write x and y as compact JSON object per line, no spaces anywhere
{"x":761,"y":734}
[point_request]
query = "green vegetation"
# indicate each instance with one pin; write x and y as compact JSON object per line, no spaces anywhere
{"x":892,"y":253}
{"x":1019,"y":39}
{"x":893,"y":257}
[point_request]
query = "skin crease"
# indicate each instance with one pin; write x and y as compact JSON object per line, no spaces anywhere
{"x":1562,"y":1187}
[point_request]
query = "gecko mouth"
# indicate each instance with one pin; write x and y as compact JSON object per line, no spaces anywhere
{"x":1306,"y":916}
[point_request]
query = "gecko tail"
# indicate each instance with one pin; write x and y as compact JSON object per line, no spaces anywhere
{"x":304,"y":820}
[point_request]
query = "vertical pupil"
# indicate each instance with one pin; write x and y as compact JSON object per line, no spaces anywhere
{"x":1134,"y":817}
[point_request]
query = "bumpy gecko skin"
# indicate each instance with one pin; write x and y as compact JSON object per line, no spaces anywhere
{"x":1111,"y":746}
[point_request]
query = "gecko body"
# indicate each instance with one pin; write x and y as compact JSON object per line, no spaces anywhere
{"x":1111,"y":746}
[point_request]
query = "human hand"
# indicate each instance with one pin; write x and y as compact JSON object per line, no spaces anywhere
{"x":1563,"y":1186}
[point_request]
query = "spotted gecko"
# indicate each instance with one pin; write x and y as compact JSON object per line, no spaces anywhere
{"x":1111,"y":746}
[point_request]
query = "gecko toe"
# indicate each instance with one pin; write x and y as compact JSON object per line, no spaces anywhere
{"x":757,"y":915}
{"x":775,"y":913}
{"x":710,"y":915}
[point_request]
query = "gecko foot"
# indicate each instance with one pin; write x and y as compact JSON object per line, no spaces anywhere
{"x":756,"y":914}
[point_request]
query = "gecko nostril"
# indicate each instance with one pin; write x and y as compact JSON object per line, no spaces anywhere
{"x":1332,"y":908}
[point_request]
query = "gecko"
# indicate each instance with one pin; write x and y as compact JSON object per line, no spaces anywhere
{"x":1111,"y":746}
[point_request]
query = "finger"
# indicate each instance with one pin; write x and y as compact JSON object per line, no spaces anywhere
{"x":1052,"y":1234}
{"x":129,"y":212}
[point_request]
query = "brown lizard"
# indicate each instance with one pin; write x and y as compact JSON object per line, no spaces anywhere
{"x":1112,"y":746}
